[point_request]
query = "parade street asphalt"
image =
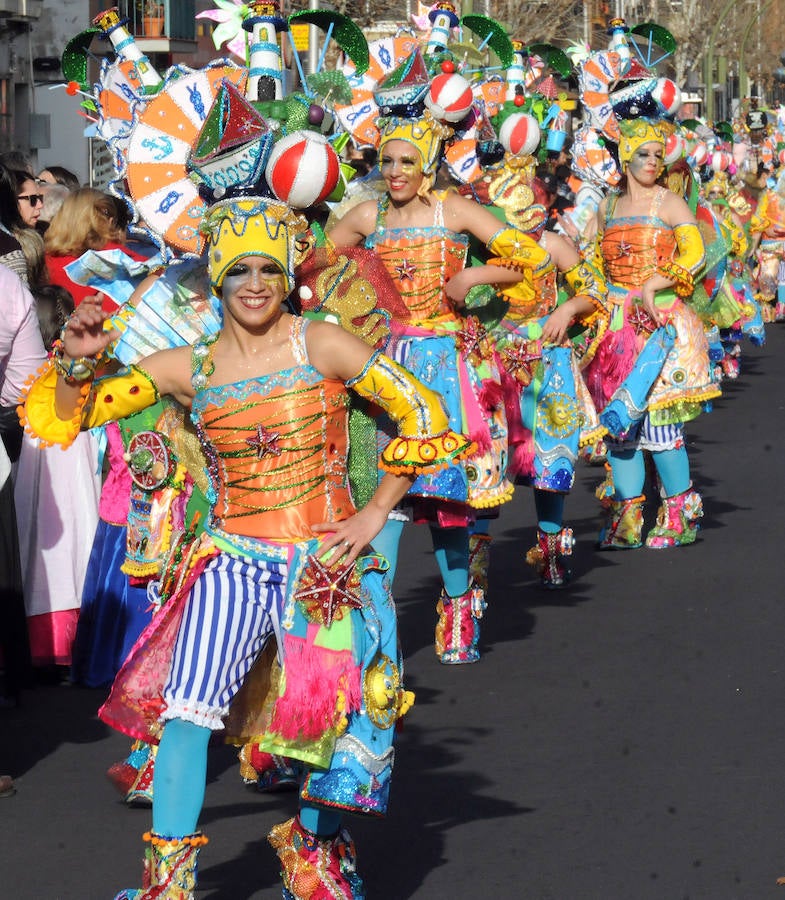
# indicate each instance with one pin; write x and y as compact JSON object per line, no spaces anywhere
{"x":622,"y":739}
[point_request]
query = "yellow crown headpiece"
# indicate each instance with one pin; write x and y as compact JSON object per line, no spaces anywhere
{"x":424,"y":133}
{"x":718,"y":184}
{"x":254,"y":226}
{"x":635,"y":133}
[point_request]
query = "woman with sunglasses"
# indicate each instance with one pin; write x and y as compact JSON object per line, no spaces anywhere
{"x":29,"y":204}
{"x":21,"y":248}
{"x":29,"y":198}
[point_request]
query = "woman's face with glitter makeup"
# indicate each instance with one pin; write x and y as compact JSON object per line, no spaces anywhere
{"x":646,"y":162}
{"x":253,"y":290}
{"x":401,"y":167}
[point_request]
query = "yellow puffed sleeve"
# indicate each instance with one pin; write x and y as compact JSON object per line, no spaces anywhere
{"x":587,"y":281}
{"x":690,"y":258}
{"x":690,"y":251}
{"x":761,"y":220}
{"x":738,"y":238}
{"x":425,"y":440}
{"x":103,"y":400}
{"x":512,"y":249}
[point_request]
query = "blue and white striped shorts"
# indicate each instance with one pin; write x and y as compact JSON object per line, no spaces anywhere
{"x":652,"y":437}
{"x":233,"y":610}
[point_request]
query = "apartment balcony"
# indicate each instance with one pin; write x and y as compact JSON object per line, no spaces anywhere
{"x":23,"y":10}
{"x":166,"y":26}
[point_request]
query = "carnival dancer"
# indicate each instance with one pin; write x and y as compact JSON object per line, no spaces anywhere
{"x":651,"y":372}
{"x":284,"y":554}
{"x":549,"y":411}
{"x":421,"y":236}
{"x":734,"y":311}
{"x":767,"y":227}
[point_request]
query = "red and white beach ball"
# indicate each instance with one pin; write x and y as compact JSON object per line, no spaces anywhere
{"x":699,"y":154}
{"x":667,"y":95}
{"x":303,"y":168}
{"x":720,"y":160}
{"x":449,"y":97}
{"x":675,"y":148}
{"x":520,"y":134}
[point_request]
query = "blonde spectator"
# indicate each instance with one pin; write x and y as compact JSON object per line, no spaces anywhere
{"x":86,"y":220}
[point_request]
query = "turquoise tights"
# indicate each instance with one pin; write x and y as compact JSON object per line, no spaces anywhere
{"x":179,"y":781}
{"x":179,"y":778}
{"x":550,"y":510}
{"x":450,"y":547}
{"x":629,"y":471}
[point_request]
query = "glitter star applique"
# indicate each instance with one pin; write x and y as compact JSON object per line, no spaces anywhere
{"x":520,"y":359}
{"x":641,"y":321}
{"x":625,"y":249}
{"x":405,"y":270}
{"x":472,"y":339}
{"x":327,"y":592}
{"x":264,"y":442}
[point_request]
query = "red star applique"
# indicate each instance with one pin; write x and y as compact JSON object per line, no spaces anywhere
{"x":327,"y":591}
{"x":641,"y":321}
{"x":264,"y":442}
{"x":405,"y":270}
{"x":472,"y":338}
{"x":520,"y":359}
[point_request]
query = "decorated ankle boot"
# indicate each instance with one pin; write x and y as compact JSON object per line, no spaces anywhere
{"x":458,"y":628}
{"x":479,"y":560}
{"x":730,"y":366}
{"x":314,"y":868}
{"x":606,"y":488}
{"x":140,"y":793}
{"x":677,"y":521}
{"x":169,"y":868}
{"x":623,"y":524}
{"x":546,"y":556}
{"x":124,"y":774}
{"x":268,"y":772}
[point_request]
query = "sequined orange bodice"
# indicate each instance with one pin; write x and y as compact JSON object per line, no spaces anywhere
{"x":276,"y":449}
{"x":420,"y":262}
{"x":633,"y":248}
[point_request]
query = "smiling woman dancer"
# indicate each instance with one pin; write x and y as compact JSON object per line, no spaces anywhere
{"x":421,"y":237}
{"x":651,"y":373}
{"x":284,"y":554}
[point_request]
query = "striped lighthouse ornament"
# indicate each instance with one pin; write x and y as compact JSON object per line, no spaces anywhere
{"x":516,"y":72}
{"x":265,"y":75}
{"x":443,"y":19}
{"x":126,"y":48}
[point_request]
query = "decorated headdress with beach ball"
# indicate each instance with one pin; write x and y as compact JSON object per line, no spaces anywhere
{"x":625,"y":102}
{"x":442,"y":88}
{"x":185,"y":139}
{"x":215,"y":162}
